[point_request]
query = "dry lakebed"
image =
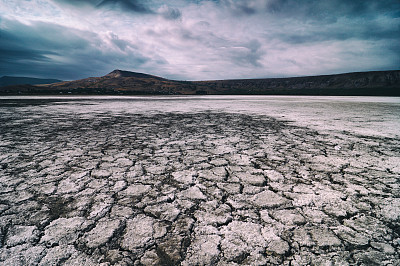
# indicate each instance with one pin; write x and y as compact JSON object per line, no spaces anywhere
{"x":199,"y":180}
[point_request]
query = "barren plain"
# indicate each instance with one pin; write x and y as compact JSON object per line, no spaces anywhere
{"x":199,"y":181}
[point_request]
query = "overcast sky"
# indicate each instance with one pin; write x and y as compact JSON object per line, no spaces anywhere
{"x":198,"y":39}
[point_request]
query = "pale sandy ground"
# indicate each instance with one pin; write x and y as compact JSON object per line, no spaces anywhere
{"x":82,"y":184}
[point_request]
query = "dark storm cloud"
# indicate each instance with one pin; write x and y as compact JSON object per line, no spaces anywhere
{"x":138,"y":6}
{"x":49,"y":50}
{"x":31,"y":47}
{"x":12,"y":49}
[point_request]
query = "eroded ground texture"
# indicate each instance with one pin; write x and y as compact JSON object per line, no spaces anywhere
{"x":193,"y":189}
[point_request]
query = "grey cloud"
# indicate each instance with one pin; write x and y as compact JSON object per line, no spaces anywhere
{"x":48,"y":50}
{"x":313,"y":21}
{"x":79,"y":2}
{"x":239,"y":53}
{"x":371,"y":24}
{"x":321,"y":11}
{"x":121,"y":44}
{"x":249,"y":53}
{"x":131,"y":5}
{"x":369,"y":31}
{"x":328,"y":11}
{"x":137,"y":6}
{"x":243,"y":8}
{"x":229,"y":38}
{"x":170,"y":13}
{"x":239,"y":7}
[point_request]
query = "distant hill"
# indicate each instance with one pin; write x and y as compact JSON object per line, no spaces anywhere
{"x":8,"y":81}
{"x":119,"y":81}
{"x":382,"y":83}
{"x":357,"y":83}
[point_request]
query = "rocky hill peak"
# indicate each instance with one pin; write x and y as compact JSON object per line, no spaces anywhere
{"x":125,"y":74}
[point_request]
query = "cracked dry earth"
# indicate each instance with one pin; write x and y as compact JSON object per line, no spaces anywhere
{"x":202,"y":188}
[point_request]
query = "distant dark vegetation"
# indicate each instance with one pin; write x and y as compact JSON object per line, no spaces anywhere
{"x":376,"y":83}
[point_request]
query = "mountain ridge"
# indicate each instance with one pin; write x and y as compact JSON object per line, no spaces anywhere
{"x":384,"y":83}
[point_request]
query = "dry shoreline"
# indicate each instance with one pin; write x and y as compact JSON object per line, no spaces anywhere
{"x":193,"y":188}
